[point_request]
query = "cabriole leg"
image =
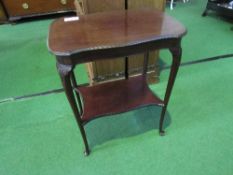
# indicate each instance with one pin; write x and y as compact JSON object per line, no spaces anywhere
{"x":176,"y":57}
{"x":65,"y":72}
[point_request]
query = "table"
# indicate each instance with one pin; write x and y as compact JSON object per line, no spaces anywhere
{"x":110,"y":35}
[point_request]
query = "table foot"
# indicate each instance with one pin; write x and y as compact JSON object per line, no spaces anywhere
{"x":204,"y":13}
{"x":162,"y":133}
{"x":86,"y":152}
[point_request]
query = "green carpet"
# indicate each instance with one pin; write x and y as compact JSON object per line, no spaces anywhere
{"x":39,"y":135}
{"x":207,"y":36}
{"x":26,"y":66}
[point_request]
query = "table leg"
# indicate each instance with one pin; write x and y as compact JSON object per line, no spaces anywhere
{"x":206,"y":9}
{"x":65,"y":72}
{"x":176,"y":55}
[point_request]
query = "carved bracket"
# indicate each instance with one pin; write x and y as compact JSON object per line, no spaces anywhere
{"x":64,"y":69}
{"x":176,"y":53}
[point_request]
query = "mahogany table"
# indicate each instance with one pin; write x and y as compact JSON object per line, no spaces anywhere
{"x":110,"y":35}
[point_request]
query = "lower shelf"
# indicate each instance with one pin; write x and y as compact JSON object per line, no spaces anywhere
{"x":116,"y":97}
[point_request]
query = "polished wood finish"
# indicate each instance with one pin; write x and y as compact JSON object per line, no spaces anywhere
{"x":153,"y":4}
{"x":112,"y":30}
{"x":107,"y":36}
{"x":136,"y":61}
{"x":18,"y":9}
{"x":109,"y":69}
{"x":3,"y":17}
{"x":98,"y":71}
{"x":93,"y":6}
{"x":119,"y":96}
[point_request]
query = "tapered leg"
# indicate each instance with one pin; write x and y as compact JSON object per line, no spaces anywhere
{"x":65,"y":74}
{"x":204,"y":13}
{"x":176,"y":55}
{"x":206,"y":10}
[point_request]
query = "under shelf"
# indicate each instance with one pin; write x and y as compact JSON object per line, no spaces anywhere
{"x":116,"y":97}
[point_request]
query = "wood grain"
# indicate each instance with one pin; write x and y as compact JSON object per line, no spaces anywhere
{"x":3,"y":17}
{"x":105,"y":70}
{"x":116,"y":97}
{"x":99,"y":32}
{"x":101,"y":68}
{"x":136,"y":62}
{"x":154,"y":4}
{"x":17,"y":9}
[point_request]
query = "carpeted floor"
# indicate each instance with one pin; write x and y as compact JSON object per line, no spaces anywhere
{"x":30,"y":67}
{"x":207,"y":36}
{"x":39,"y":135}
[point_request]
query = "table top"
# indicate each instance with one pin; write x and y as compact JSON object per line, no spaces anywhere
{"x":115,"y":29}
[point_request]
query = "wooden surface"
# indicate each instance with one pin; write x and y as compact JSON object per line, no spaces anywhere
{"x":110,"y":35}
{"x":115,"y":68}
{"x":100,"y":32}
{"x":93,"y":6}
{"x":153,"y":4}
{"x":18,"y":9}
{"x":99,"y":70}
{"x":119,"y":96}
{"x":3,"y":17}
{"x":136,"y":61}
